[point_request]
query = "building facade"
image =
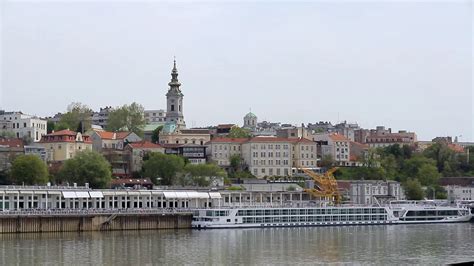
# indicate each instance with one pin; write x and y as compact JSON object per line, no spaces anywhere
{"x":112,"y":140}
{"x":65,"y":144}
{"x":23,"y":125}
{"x":368,"y":191}
{"x":220,"y":150}
{"x":336,"y":146}
{"x":102,"y":117}
{"x":153,"y":116}
{"x":381,"y":137}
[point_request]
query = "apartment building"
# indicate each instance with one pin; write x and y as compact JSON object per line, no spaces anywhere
{"x":268,"y":156}
{"x":64,"y":144}
{"x":23,"y":125}
{"x":335,"y":145}
{"x":152,"y":116}
{"x":381,"y":137}
{"x":220,"y":150}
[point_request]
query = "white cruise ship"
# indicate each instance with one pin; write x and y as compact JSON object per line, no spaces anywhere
{"x":393,"y":213}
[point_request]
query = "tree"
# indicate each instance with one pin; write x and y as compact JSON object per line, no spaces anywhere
{"x":128,"y":117}
{"x":413,"y":189}
{"x":155,"y":136}
{"x":427,"y":175}
{"x":235,"y":162}
{"x":204,"y":170}
{"x":29,"y":170}
{"x":78,"y":118}
{"x":327,"y":161}
{"x":50,"y":126}
{"x":87,"y":167}
{"x":238,"y":132}
{"x":163,"y":167}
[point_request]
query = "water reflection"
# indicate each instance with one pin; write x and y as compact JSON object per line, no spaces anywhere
{"x":401,"y":244}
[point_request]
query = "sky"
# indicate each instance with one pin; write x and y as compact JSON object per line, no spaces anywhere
{"x":404,"y":65}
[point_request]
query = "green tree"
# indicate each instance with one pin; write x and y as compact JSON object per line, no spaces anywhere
{"x":128,"y":117}
{"x":87,"y":167}
{"x":163,"y":167}
{"x":29,"y":170}
{"x":235,"y":162}
{"x":327,"y":161}
{"x":77,"y":118}
{"x":413,"y":190}
{"x":428,"y":175}
{"x":204,"y":170}
{"x":155,"y":136}
{"x":238,"y":132}
{"x":50,"y":126}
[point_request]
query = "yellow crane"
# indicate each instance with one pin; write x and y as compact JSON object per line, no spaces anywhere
{"x":325,"y":185}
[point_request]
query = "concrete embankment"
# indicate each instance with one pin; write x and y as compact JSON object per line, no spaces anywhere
{"x":92,"y":222}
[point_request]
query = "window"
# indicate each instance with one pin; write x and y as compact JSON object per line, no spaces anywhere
{"x":24,"y":124}
{"x":172,"y":107}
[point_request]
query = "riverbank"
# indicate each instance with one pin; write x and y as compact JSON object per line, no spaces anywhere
{"x":90,"y":221}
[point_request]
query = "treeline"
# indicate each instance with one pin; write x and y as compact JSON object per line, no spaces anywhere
{"x":91,"y":167}
{"x":123,"y":118}
{"x":413,"y":169}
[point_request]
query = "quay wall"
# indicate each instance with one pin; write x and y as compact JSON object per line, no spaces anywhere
{"x":93,"y":222}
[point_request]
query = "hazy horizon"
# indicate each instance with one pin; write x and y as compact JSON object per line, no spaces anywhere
{"x":407,"y":66}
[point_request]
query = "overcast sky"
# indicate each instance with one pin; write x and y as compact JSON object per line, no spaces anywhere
{"x":399,"y":64}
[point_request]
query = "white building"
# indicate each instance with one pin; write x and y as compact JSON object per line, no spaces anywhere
{"x":153,"y":116}
{"x":335,"y":145}
{"x":102,"y":117}
{"x":460,"y":192}
{"x":23,"y":125}
{"x":366,"y":191}
{"x":220,"y":150}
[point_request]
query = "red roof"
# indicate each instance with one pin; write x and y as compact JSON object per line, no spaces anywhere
{"x":302,"y":140}
{"x":112,"y":135}
{"x":144,"y":145}
{"x":225,"y":140}
{"x":338,"y":137}
{"x":65,"y":132}
{"x":11,"y":142}
{"x":456,"y":148}
{"x":360,"y":145}
{"x":270,"y":139}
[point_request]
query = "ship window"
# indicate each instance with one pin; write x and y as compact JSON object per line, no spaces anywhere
{"x":228,"y":220}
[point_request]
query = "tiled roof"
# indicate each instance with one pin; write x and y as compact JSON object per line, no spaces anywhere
{"x":144,"y":145}
{"x":456,"y":148}
{"x":360,"y":145}
{"x":338,"y":137}
{"x":226,"y":140}
{"x":65,"y":132}
{"x":302,"y":140}
{"x":270,"y":139}
{"x":18,"y":143}
{"x":457,"y":181}
{"x":112,"y":135}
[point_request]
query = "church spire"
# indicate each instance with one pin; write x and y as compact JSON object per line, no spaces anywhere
{"x":174,"y":83}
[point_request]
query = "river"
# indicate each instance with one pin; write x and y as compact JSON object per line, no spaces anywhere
{"x":395,"y":244}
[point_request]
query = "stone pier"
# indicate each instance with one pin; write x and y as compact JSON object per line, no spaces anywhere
{"x":93,"y":222}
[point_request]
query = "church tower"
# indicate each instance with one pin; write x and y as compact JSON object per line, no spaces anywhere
{"x":174,"y":99}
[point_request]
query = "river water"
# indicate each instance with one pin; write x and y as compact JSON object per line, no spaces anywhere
{"x":395,"y":244}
